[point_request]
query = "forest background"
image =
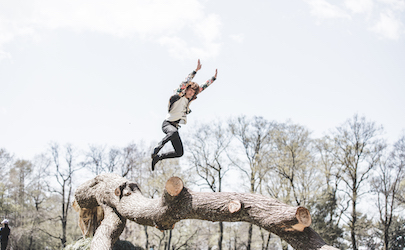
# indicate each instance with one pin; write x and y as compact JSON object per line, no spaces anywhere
{"x":351,"y":180}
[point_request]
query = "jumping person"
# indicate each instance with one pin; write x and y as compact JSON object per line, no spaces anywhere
{"x":4,"y":233}
{"x":178,"y":110}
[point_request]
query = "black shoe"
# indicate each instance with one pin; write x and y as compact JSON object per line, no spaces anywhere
{"x":155,"y":160}
{"x":155,"y":152}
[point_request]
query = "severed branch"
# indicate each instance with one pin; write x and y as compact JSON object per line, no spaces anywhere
{"x":122,"y":199}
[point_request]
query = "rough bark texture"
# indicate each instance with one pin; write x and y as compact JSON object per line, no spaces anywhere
{"x":122,"y":199}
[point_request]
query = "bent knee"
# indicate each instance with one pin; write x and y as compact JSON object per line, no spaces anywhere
{"x":179,"y":152}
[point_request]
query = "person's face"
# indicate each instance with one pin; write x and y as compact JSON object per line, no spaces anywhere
{"x":190,"y":93}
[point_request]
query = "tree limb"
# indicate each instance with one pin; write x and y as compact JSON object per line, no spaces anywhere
{"x":122,"y":199}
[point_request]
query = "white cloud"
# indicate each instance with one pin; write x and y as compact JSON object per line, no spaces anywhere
{"x":150,"y":20}
{"x":239,"y":38}
{"x":209,"y":28}
{"x":386,"y":23}
{"x":322,"y":9}
{"x":398,"y":5}
{"x":4,"y":55}
{"x":360,"y":6}
{"x":3,"y":111}
{"x":179,"y":48}
{"x":121,"y":18}
{"x":206,"y":33}
{"x":388,"y":26}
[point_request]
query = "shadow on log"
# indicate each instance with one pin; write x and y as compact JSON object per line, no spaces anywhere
{"x":122,"y":200}
{"x":83,"y":244}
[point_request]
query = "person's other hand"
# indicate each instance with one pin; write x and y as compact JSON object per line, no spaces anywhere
{"x":198,"y":66}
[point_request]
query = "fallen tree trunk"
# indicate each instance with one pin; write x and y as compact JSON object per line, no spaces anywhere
{"x":122,"y":199}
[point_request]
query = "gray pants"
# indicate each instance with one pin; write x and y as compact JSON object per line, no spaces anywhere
{"x":172,"y":134}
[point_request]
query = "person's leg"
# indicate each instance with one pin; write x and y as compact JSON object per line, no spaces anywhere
{"x":168,"y":129}
{"x":177,"y":145}
{"x":4,"y":245}
{"x":172,"y":134}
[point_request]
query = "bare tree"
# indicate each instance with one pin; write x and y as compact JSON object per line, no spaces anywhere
{"x":293,"y":160}
{"x":255,"y":136}
{"x":17,"y":190}
{"x":328,"y":207}
{"x":132,"y":157}
{"x":65,"y":165}
{"x":387,"y":185}
{"x":39,"y":184}
{"x":6,"y":161}
{"x":358,"y":150}
{"x":95,"y":159}
{"x":398,"y":161}
{"x":37,"y":192}
{"x":208,"y":155}
{"x":122,"y":161}
{"x":328,"y":163}
{"x":113,"y":161}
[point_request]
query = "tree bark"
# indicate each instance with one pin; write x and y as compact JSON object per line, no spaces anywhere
{"x":250,"y":234}
{"x":147,"y":237}
{"x":169,"y":241}
{"x":268,"y":242}
{"x":122,"y":199}
{"x":221,"y":235}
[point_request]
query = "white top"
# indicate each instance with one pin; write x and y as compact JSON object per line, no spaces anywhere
{"x":178,"y":111}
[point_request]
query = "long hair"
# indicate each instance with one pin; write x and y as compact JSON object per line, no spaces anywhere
{"x":195,"y":87}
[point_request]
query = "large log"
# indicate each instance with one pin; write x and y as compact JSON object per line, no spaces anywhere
{"x":122,"y":199}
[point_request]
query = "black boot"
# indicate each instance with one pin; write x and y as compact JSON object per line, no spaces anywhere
{"x":155,"y":159}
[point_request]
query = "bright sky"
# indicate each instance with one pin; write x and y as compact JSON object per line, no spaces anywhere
{"x":101,"y":72}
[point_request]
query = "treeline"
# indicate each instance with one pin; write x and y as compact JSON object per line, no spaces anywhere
{"x":351,"y":180}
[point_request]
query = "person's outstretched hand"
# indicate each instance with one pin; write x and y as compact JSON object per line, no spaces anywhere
{"x":198,"y":66}
{"x":216,"y":73}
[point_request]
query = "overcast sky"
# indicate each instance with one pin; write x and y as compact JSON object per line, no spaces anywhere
{"x":101,"y":72}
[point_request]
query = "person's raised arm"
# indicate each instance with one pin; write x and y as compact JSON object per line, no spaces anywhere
{"x":188,"y":79}
{"x":209,"y":81}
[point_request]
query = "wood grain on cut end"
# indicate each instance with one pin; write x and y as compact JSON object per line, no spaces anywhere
{"x":117,"y":191}
{"x":174,"y":186}
{"x":234,"y":206}
{"x":304,"y":219}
